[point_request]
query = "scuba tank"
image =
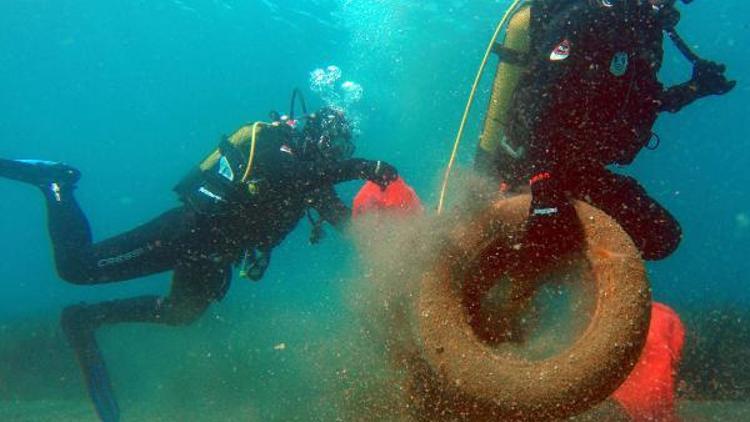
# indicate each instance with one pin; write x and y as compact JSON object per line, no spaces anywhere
{"x":526,"y":23}
{"x":512,"y":52}
{"x":467,"y":109}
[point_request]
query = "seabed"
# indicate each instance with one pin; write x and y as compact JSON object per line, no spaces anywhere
{"x":43,"y":410}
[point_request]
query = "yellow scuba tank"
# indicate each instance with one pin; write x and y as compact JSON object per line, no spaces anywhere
{"x":517,"y":38}
{"x":493,"y":140}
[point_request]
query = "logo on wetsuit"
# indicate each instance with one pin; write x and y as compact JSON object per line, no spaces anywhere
{"x":560,"y":52}
{"x":119,"y":259}
{"x":619,"y":64}
{"x":286,"y":149}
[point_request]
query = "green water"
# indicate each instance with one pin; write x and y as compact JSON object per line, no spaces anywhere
{"x":136,"y":92}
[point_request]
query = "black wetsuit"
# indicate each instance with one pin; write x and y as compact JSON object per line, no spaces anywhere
{"x":589,"y":98}
{"x":199,"y":245}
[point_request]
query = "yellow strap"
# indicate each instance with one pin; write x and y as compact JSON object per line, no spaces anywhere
{"x":251,"y":156}
{"x":513,"y":7}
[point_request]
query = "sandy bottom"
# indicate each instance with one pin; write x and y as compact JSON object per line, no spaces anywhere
{"x":715,"y":411}
{"x":40,"y":411}
{"x":43,"y":411}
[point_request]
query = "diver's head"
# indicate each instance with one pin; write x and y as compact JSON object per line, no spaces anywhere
{"x":328,"y":135}
{"x":661,"y":3}
{"x":662,"y":11}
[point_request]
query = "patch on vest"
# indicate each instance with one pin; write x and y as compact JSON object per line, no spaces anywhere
{"x":286,"y":149}
{"x":619,"y":64}
{"x":560,"y":52}
{"x":225,"y":169}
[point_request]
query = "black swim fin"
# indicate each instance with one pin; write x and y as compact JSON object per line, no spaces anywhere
{"x":39,"y":173}
{"x":80,"y":334}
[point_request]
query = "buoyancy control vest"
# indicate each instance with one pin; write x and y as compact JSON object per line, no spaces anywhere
{"x":229,"y":180}
{"x":527,"y":30}
{"x":224,"y":180}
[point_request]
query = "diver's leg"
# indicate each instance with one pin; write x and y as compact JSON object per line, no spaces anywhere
{"x":79,"y":323}
{"x":68,"y":227}
{"x":195,"y":287}
{"x":148,"y":249}
{"x":653,"y":229}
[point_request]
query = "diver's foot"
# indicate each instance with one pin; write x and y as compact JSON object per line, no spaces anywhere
{"x":78,"y":326}
{"x":79,"y":323}
{"x":39,"y":173}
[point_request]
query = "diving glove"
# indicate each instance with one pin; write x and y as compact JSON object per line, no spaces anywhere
{"x":552,"y":228}
{"x":381,"y":173}
{"x":547,"y":198}
{"x":709,"y":79}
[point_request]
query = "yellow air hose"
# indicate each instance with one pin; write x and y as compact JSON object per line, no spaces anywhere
{"x":508,"y":13}
{"x":251,"y":155}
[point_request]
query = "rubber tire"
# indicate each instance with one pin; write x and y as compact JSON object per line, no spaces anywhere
{"x":477,"y":377}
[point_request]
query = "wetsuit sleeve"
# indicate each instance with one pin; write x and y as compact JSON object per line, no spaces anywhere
{"x":674,"y":98}
{"x":322,"y":173}
{"x":708,"y":79}
{"x":331,"y":208}
{"x":277,"y":163}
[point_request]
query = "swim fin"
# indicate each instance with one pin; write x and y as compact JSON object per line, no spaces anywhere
{"x":39,"y":173}
{"x":80,"y":334}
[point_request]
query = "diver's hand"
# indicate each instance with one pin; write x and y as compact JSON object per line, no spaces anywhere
{"x":547,"y":198}
{"x":709,"y":79}
{"x":381,"y":173}
{"x":552,"y":228}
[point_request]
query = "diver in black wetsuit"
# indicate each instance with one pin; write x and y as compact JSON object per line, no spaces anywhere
{"x":238,"y":205}
{"x":588,"y":98}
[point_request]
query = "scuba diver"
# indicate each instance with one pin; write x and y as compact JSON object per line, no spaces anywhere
{"x":238,"y":204}
{"x":582,"y":93}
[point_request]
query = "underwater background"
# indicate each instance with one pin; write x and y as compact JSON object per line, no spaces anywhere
{"x":134,"y":93}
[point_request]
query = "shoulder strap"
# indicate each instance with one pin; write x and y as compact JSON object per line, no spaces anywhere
{"x":543,"y":12}
{"x":510,"y":55}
